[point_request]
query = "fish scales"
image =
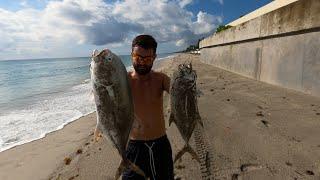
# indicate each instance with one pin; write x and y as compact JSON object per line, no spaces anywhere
{"x":113,"y":99}
{"x":114,"y":103}
{"x":184,"y":105}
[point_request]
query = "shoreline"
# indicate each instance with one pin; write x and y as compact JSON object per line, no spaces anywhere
{"x":246,"y":123}
{"x":156,"y":64}
{"x":16,"y":151}
{"x":44,"y":155}
{"x":46,"y":134}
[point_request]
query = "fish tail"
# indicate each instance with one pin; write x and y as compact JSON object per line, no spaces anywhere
{"x":171,"y":119}
{"x":136,"y":169}
{"x":129,"y":165}
{"x":120,"y":170}
{"x":188,"y":149}
{"x":200,"y":121}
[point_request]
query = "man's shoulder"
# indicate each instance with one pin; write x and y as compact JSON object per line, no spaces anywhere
{"x":129,"y":73}
{"x":160,"y":74}
{"x":164,"y":79}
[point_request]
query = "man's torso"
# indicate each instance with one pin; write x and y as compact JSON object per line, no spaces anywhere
{"x":148,"y":107}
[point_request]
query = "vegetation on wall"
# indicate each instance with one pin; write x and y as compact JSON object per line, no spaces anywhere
{"x":222,"y":28}
{"x":193,"y":47}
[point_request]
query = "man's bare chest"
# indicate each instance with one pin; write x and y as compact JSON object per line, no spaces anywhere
{"x":146,"y":90}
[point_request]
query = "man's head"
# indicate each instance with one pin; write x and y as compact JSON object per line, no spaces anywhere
{"x":143,"y":53}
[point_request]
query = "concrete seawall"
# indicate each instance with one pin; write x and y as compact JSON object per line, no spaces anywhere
{"x":280,"y":48}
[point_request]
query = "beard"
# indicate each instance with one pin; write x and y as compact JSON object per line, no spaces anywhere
{"x":142,"y":69}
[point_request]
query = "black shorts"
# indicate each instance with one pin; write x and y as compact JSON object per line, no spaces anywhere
{"x":154,"y":157}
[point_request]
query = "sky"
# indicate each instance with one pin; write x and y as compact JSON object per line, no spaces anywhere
{"x":31,"y":29}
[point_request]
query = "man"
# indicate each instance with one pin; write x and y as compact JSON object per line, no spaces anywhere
{"x":148,"y":147}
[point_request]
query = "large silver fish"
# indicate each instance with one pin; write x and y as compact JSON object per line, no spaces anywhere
{"x":184,"y":106}
{"x":114,"y":104}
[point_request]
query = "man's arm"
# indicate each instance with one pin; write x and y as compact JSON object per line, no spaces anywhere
{"x":166,"y":83}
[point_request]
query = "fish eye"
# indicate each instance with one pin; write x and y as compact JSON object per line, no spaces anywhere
{"x":108,"y":58}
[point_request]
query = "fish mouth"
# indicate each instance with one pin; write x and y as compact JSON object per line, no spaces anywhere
{"x":104,"y":55}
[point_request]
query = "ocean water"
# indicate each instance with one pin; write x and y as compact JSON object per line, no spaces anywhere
{"x":43,"y":95}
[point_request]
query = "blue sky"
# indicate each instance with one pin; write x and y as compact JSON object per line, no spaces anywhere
{"x":73,"y":28}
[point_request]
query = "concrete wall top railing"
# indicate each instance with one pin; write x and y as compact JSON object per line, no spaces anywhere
{"x":302,"y":15}
{"x":273,"y":5}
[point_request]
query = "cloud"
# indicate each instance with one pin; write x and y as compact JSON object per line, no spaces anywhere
{"x":184,"y":3}
{"x":95,"y":22}
{"x":205,"y":23}
{"x":24,"y":3}
{"x":109,"y":31}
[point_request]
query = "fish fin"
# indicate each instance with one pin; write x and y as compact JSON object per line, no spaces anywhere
{"x":119,"y":170}
{"x":129,"y":165}
{"x":95,"y":53}
{"x":200,"y":121}
{"x":171,"y":119}
{"x":136,"y":169}
{"x":185,"y":149}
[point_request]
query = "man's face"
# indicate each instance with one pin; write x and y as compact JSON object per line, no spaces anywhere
{"x":142,"y":60}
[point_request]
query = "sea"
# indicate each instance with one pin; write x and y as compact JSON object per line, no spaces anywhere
{"x":39,"y":96}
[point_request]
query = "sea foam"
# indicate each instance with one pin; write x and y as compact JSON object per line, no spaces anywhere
{"x":51,"y":114}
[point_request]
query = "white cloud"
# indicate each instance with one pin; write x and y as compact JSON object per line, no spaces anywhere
{"x":24,"y":3}
{"x":72,"y":23}
{"x":184,"y":3}
{"x":181,"y":42}
{"x":205,"y":23}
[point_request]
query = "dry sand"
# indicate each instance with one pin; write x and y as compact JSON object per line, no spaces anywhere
{"x":255,"y":130}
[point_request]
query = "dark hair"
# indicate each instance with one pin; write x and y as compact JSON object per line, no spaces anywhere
{"x":145,"y":41}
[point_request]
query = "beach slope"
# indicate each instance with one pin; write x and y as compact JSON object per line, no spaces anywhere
{"x":254,"y":130}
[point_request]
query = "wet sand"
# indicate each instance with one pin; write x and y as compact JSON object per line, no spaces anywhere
{"x":255,"y":130}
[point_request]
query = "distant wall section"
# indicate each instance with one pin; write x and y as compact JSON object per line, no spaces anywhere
{"x":281,"y":47}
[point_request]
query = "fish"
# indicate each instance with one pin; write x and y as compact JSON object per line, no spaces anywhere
{"x":114,"y":103}
{"x":184,"y":106}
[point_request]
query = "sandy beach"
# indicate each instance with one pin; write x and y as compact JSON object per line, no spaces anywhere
{"x":254,"y":130}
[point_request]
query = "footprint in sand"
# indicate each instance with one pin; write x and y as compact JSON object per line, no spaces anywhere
{"x":311,"y":173}
{"x":79,"y":151}
{"x":260,"y":107}
{"x":288,"y":163}
{"x":234,"y":176}
{"x":67,"y":161}
{"x":266,"y":123}
{"x":260,"y":113}
{"x":249,"y":167}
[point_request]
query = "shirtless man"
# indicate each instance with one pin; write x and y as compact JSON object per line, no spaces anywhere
{"x":148,"y":147}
